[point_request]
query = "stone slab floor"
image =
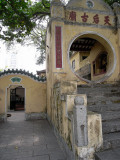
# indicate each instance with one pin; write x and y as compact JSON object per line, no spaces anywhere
{"x":28,"y":140}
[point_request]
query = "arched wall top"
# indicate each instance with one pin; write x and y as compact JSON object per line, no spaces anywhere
{"x":22,"y":72}
{"x":80,"y":4}
{"x":103,"y":40}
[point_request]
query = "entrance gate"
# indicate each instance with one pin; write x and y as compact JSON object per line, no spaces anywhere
{"x":21,"y":90}
{"x":17,"y":98}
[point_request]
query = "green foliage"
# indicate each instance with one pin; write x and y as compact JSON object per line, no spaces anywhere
{"x":41,"y":9}
{"x":110,"y":2}
{"x":15,"y":19}
{"x":37,"y":38}
{"x":18,"y":17}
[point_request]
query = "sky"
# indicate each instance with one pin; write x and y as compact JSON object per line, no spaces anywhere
{"x":25,"y":57}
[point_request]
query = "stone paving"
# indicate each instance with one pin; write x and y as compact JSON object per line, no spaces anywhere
{"x":113,"y":154}
{"x":28,"y":140}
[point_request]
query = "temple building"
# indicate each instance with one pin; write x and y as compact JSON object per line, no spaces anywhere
{"x":80,"y":97}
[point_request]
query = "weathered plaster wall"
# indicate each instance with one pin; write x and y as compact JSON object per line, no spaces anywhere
{"x":63,"y":121}
{"x":35,"y":94}
{"x":69,"y":18}
{"x":69,"y":32}
{"x":75,"y":57}
{"x":71,"y":29}
{"x":96,"y":50}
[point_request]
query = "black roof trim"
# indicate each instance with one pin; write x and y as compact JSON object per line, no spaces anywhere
{"x":23,"y":72}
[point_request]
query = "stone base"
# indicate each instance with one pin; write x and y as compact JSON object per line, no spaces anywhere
{"x":35,"y":116}
{"x":62,"y":143}
{"x":2,"y":117}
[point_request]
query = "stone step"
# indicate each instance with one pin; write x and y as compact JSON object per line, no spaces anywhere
{"x":113,"y":154}
{"x":102,"y":108}
{"x":111,"y":126}
{"x":100,"y":86}
{"x":107,"y":92}
{"x":111,"y":140}
{"x":103,"y":99}
{"x":103,"y":94}
{"x":110,"y":115}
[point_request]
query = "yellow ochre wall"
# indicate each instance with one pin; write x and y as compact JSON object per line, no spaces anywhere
{"x":71,"y":30}
{"x":77,"y":56}
{"x":68,"y":32}
{"x":35,"y":94}
{"x":96,"y":50}
{"x":58,"y":79}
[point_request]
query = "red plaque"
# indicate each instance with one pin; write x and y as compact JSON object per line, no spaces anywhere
{"x":58,"y":45}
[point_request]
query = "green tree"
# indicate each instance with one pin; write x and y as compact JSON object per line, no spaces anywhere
{"x":18,"y":17}
{"x":21,"y":18}
{"x":37,"y":38}
{"x":110,"y":2}
{"x":38,"y":35}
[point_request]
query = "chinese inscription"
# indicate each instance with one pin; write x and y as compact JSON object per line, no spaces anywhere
{"x":72,"y":16}
{"x":58,"y":47}
{"x":85,"y":17}
{"x":107,"y":20}
{"x":96,"y":19}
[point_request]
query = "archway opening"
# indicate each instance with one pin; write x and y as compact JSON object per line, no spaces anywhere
{"x":90,"y":58}
{"x":100,"y":64}
{"x":16,"y":99}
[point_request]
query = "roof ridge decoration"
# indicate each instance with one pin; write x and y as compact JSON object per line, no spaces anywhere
{"x":22,"y":72}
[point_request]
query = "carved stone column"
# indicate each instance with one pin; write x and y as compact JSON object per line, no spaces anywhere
{"x":80,"y":122}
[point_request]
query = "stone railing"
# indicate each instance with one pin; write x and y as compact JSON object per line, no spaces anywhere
{"x":80,"y":122}
{"x":2,"y":118}
{"x":79,"y":131}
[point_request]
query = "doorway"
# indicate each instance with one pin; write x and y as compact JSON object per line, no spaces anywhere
{"x":17,"y":98}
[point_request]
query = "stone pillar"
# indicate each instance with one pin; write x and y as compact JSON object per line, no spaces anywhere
{"x":80,"y":122}
{"x":57,"y":9}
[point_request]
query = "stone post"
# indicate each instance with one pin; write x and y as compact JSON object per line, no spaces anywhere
{"x":80,"y":122}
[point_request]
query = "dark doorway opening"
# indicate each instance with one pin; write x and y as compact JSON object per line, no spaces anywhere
{"x":17,"y":98}
{"x":100,"y":64}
